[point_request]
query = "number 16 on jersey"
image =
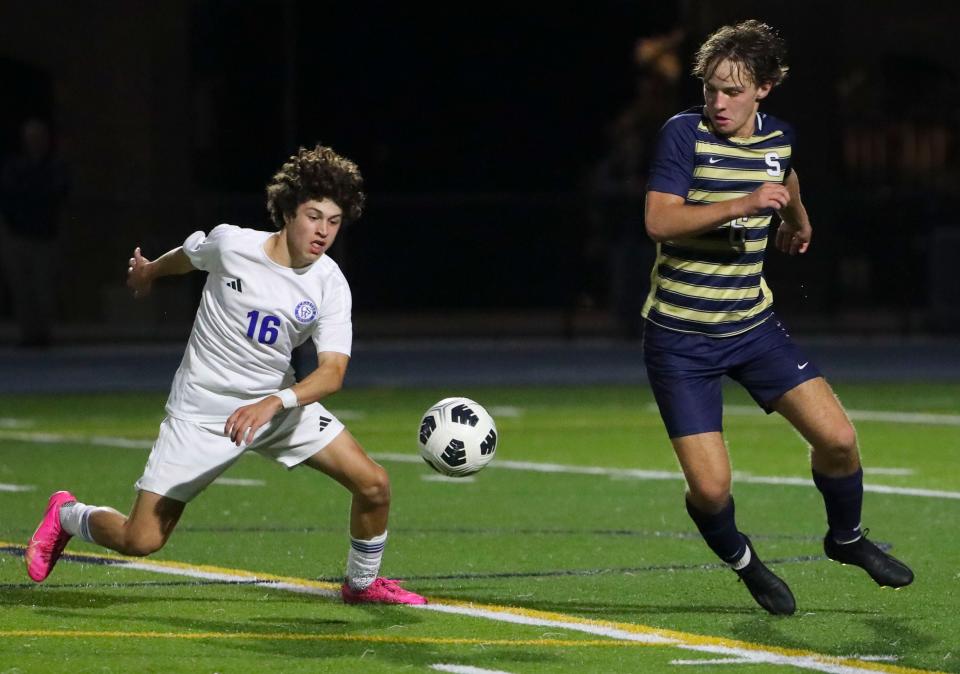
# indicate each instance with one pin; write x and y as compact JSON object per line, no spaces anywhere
{"x":267,"y":332}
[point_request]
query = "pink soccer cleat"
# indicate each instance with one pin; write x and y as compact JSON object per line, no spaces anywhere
{"x":380,"y":591}
{"x":49,"y":539}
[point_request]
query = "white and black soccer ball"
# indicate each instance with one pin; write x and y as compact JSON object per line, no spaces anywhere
{"x":457,"y":437}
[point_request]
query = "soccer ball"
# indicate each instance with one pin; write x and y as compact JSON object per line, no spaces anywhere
{"x":457,"y":437}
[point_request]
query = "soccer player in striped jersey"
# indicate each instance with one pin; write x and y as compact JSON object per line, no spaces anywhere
{"x":720,"y":174}
{"x":234,"y":391}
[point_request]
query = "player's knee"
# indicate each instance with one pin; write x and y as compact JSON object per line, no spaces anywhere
{"x":841,"y":446}
{"x":710,"y":497}
{"x":375,"y":488}
{"x":847,"y":440}
{"x":142,"y":544}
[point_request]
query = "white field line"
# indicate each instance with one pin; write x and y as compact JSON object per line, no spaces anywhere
{"x":11,"y":422}
{"x":906,"y":417}
{"x":16,"y":487}
{"x":930,"y":418}
{"x":195,"y":572}
{"x":465,"y":669}
{"x":754,"y":654}
{"x":523,"y":618}
{"x":505,"y":411}
{"x":876,"y":658}
{"x":889,"y":471}
{"x":685,"y":641}
{"x":818,"y":664}
{"x":239,"y":482}
{"x":349,"y":415}
{"x":430,"y":477}
{"x":530,"y":466}
{"x":639,"y":474}
{"x":717,"y":661}
{"x":58,"y":438}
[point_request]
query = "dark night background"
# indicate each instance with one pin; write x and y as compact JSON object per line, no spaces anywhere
{"x":479,"y":128}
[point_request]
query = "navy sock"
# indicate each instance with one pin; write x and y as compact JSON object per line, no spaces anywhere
{"x":720,"y":531}
{"x":843,"y":497}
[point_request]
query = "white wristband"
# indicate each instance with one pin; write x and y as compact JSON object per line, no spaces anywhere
{"x":288,"y":398}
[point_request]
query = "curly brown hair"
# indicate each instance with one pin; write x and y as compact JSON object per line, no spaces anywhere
{"x":317,"y":174}
{"x":753,"y":44}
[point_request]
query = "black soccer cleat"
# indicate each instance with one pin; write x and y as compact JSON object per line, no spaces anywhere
{"x":765,"y":586}
{"x":886,"y":570}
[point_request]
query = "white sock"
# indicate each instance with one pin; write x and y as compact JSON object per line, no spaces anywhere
{"x":70,"y":516}
{"x":743,"y":561}
{"x":363,"y":561}
{"x":75,"y":519}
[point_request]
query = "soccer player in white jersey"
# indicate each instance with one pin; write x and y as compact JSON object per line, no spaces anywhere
{"x":235,"y":391}
{"x":720,"y":173}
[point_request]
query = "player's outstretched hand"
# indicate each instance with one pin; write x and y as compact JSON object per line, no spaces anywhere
{"x":768,"y":195}
{"x":245,"y":421}
{"x":138,"y":276}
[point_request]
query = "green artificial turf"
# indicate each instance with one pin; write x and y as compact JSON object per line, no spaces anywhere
{"x":602,"y":545}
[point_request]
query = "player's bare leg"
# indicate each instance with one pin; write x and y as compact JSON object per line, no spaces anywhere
{"x":813,"y":409}
{"x":345,"y":461}
{"x":150,"y":523}
{"x":706,"y":466}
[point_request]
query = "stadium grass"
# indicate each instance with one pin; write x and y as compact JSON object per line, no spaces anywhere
{"x":602,"y":547}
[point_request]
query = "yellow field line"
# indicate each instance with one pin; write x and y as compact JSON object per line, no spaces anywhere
{"x":677,"y":638}
{"x":250,"y":575}
{"x":275,"y":636}
{"x":689,"y":639}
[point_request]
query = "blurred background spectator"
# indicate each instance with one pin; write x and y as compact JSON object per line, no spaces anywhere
{"x":503,"y":180}
{"x":620,"y":247}
{"x":33,"y":187}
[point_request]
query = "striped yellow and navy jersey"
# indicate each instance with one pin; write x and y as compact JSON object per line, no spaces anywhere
{"x":712,"y":283}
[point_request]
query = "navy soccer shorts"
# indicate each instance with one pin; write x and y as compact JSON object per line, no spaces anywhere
{"x":685,"y":372}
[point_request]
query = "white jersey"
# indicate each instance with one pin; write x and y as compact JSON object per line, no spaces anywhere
{"x":252,"y":314}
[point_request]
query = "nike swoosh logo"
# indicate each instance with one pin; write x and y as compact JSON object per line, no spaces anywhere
{"x":714,"y":160}
{"x":800,"y":367}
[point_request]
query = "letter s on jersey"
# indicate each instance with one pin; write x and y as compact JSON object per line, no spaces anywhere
{"x":773,"y":161}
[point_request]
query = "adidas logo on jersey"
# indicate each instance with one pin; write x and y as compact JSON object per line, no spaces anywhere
{"x":236,"y":284}
{"x":324,"y":422}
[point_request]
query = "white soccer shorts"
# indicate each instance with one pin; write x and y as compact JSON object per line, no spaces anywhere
{"x":188,"y":455}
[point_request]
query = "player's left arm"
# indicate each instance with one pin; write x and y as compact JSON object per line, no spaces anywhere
{"x":794,"y":232}
{"x":325,"y":380}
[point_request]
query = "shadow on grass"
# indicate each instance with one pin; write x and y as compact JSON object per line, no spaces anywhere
{"x":604,"y":611}
{"x":41,"y":598}
{"x":891,"y":634}
{"x":233,"y":614}
{"x":404,"y":655}
{"x":346,"y":628}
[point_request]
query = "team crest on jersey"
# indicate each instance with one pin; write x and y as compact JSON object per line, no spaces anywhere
{"x":306,"y":312}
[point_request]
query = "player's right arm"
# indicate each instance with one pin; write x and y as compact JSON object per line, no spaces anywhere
{"x":327,"y":378}
{"x":669,"y":216}
{"x":143,"y":272}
